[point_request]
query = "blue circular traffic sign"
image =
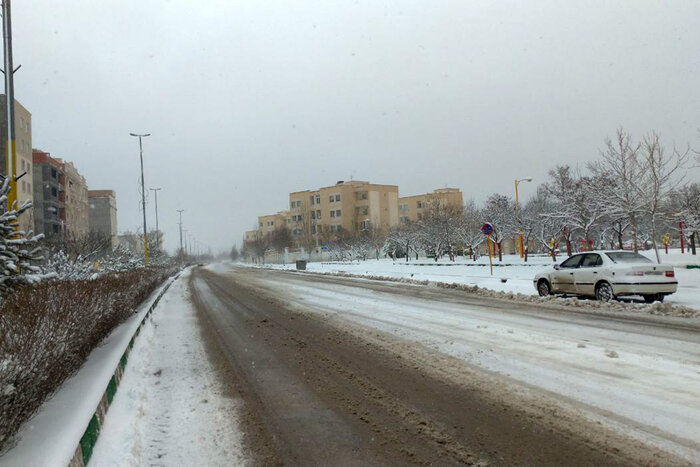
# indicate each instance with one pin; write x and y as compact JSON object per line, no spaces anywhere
{"x":487,"y":229}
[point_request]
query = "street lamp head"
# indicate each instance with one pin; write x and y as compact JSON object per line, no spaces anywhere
{"x":144,"y":135}
{"x":526,"y":179}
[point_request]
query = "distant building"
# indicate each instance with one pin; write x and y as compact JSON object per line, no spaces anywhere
{"x":49,"y":194}
{"x":76,"y":202}
{"x":267,"y":224}
{"x":251,"y":235}
{"x":103,"y":213}
{"x":413,"y":208}
{"x":353,"y":206}
{"x":23,"y":151}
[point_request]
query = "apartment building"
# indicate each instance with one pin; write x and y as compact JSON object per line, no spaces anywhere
{"x":352,"y":206}
{"x":49,"y":194}
{"x":413,"y":208}
{"x":269,"y":223}
{"x":102,"y":213}
{"x":77,"y":223}
{"x":251,"y":235}
{"x":23,"y":151}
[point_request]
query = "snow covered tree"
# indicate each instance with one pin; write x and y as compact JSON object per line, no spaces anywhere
{"x":468,"y":230}
{"x":19,"y":251}
{"x":547,"y":229}
{"x":661,"y":175}
{"x":438,"y":229}
{"x":685,"y":207}
{"x":402,"y":240}
{"x":499,"y":211}
{"x":618,"y":172}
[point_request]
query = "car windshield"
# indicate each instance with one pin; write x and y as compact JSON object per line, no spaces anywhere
{"x":625,"y":257}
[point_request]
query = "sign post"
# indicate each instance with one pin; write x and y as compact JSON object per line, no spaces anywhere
{"x":487,"y":229}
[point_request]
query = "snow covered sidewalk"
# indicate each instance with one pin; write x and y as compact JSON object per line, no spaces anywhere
{"x":171,"y":408}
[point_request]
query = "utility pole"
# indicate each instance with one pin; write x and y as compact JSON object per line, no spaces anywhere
{"x":186,"y":249}
{"x":180,"y":211}
{"x":143,"y":200}
{"x":155,"y":191}
{"x":9,"y":71}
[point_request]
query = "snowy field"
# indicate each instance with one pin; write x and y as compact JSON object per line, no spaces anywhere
{"x":170,"y":408}
{"x":513,"y":275}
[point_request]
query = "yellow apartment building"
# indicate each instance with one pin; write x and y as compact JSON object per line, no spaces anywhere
{"x":413,"y":208}
{"x":352,"y":206}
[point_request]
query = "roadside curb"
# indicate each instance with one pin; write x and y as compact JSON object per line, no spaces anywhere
{"x":83,"y":451}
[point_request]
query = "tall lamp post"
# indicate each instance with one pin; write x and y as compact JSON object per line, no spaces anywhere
{"x":520,"y":219}
{"x":182,"y":252}
{"x":143,"y":199}
{"x":155,"y":192}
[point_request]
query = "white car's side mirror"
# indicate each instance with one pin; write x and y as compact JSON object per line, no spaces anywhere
{"x":556,"y":266}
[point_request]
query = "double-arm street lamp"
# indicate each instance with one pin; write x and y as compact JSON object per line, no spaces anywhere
{"x":520,"y":218}
{"x":155,"y":192}
{"x":143,"y":199}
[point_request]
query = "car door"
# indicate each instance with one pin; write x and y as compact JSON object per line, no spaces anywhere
{"x":587,"y":273}
{"x":563,"y":278}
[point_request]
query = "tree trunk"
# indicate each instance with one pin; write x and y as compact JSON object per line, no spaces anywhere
{"x":692,"y":242}
{"x":500,"y":251}
{"x":619,"y":237}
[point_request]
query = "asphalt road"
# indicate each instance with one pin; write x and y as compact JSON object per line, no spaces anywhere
{"x":319,"y":391}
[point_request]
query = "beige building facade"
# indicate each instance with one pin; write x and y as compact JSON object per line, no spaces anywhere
{"x":414,"y":208}
{"x":352,"y":206}
{"x":23,"y":151}
{"x":76,"y":202}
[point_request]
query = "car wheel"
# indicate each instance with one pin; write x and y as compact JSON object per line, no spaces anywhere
{"x":657,"y":297}
{"x":543,"y":288}
{"x":604,"y":292}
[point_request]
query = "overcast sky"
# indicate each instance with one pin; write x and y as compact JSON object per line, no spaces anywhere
{"x":248,"y":101}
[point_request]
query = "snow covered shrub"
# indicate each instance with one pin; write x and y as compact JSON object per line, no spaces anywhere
{"x":47,"y":330}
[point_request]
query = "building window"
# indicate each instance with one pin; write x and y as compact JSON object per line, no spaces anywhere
{"x":337,"y":198}
{"x":318,"y":214}
{"x":337,"y":213}
{"x":363,"y":210}
{"x":318,"y":199}
{"x":419,"y":204}
{"x":331,"y":198}
{"x":313,"y":215}
{"x":260,"y":226}
{"x":403,"y":207}
{"x":332,"y":213}
{"x":313,"y":229}
{"x":338,"y":228}
{"x":364,"y":225}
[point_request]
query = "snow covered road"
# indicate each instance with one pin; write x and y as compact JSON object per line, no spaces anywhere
{"x":636,"y":376}
{"x":171,"y":407}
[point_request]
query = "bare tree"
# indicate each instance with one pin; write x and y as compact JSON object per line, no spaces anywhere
{"x":618,"y":172}
{"x":661,"y":175}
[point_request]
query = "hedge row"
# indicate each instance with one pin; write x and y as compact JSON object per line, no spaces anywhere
{"x":48,"y":330}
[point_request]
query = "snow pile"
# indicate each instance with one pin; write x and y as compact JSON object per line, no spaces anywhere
{"x":665,"y":309}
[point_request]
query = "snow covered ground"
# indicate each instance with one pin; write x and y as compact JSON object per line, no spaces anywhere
{"x":170,"y":408}
{"x":637,"y":378}
{"x":516,"y":273}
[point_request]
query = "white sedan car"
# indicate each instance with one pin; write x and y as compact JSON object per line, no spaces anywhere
{"x":608,"y":274}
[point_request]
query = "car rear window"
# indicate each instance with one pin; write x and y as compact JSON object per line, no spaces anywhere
{"x":625,"y":257}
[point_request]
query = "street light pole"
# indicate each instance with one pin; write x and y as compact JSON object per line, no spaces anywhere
{"x":143,"y":199}
{"x":520,"y":218}
{"x":180,"y":211}
{"x":155,"y":192}
{"x":10,"y":146}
